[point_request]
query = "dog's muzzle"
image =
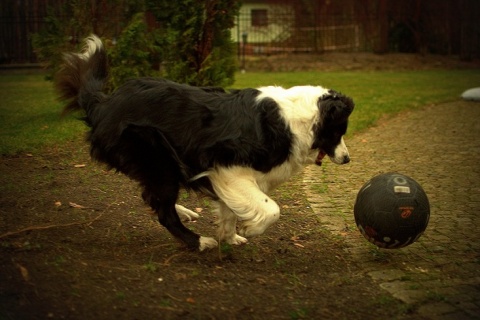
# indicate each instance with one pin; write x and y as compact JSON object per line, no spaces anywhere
{"x":344,"y":160}
{"x":339,"y":156}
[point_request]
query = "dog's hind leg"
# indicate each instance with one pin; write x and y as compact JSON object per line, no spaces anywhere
{"x":140,"y":156}
{"x":162,"y":197}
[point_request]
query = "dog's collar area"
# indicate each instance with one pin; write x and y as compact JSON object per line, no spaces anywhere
{"x":320,"y":156}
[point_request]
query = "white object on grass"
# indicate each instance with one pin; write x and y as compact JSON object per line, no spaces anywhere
{"x":472,"y":94}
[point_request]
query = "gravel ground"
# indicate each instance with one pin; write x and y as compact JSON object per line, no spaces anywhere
{"x":438,"y":146}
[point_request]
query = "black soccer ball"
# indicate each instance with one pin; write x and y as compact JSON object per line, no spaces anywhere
{"x":392,"y":210}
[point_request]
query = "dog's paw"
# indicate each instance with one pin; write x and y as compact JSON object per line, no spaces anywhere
{"x":207,"y":243}
{"x":237,"y":240}
{"x":186,"y":214}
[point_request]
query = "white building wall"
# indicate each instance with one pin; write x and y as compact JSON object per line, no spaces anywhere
{"x":280,"y":23}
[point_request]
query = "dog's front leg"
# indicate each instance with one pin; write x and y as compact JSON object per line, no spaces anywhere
{"x":265,"y":213}
{"x":227,"y":225}
{"x":239,"y":191}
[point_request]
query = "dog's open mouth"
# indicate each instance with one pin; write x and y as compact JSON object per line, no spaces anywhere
{"x":320,"y":157}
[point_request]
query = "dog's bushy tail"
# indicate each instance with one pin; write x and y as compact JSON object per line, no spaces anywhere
{"x":82,"y":77}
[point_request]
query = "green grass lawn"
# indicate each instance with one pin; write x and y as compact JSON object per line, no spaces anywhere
{"x":30,"y":115}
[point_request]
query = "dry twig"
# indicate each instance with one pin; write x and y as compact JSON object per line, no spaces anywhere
{"x":31,"y":228}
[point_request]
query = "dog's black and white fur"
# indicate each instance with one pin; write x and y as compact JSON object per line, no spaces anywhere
{"x":235,"y":146}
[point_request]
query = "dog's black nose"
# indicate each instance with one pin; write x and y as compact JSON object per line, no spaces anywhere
{"x":346,"y":159}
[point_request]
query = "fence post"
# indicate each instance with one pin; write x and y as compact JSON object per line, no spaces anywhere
{"x":244,"y":46}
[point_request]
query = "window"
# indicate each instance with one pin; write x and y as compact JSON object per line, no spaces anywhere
{"x":259,"y":17}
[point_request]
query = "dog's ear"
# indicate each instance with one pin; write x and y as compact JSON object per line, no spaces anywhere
{"x":335,"y":107}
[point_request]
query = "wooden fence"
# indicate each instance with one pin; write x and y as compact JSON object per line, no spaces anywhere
{"x":275,"y":26}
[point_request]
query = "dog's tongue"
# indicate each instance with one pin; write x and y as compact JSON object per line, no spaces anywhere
{"x":320,"y":157}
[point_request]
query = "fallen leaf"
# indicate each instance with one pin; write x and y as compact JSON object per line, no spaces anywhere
{"x":24,"y":272}
{"x":198,"y":210}
{"x":190,"y":300}
{"x":298,"y":245}
{"x":76,"y":206}
{"x":58,"y":203}
{"x":295,"y":238}
{"x":80,"y":165}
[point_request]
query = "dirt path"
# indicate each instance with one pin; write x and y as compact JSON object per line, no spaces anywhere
{"x":335,"y":61}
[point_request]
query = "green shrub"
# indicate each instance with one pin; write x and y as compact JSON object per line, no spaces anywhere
{"x":134,"y":53}
{"x":51,"y":41}
{"x":189,"y":42}
{"x":67,"y":23}
{"x":200,"y":50}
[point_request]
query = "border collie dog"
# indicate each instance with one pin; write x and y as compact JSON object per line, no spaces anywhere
{"x":234,"y":146}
